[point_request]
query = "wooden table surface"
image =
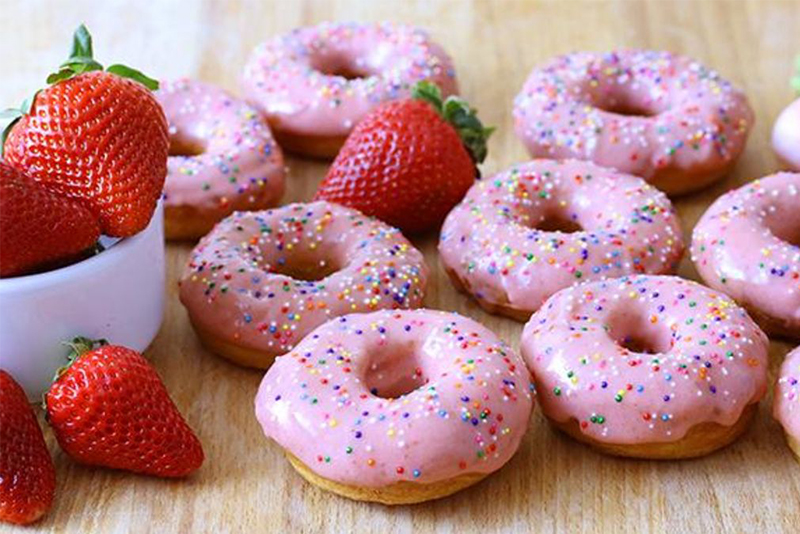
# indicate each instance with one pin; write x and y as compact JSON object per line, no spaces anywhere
{"x":553,"y":483}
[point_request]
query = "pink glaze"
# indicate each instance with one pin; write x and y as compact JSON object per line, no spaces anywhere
{"x":374,"y":399}
{"x":642,"y":112}
{"x":708,"y":359}
{"x":747,"y":244}
{"x":786,"y":135}
{"x":292,"y":78}
{"x":238,"y":283}
{"x":240,"y":168}
{"x":786,"y":406}
{"x":491,"y":243}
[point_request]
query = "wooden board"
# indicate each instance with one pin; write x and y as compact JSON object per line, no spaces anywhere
{"x":553,"y":483}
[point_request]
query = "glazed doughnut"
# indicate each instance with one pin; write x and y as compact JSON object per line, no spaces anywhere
{"x":315,"y":83}
{"x":747,"y":244}
{"x":222,"y":158}
{"x":397,"y":407}
{"x":663,"y":117}
{"x":647,"y":366}
{"x":786,"y":406}
{"x":523,"y":234}
{"x":260,"y":281}
{"x":786,"y":136}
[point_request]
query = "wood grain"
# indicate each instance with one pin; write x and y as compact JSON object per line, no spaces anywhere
{"x":553,"y":484}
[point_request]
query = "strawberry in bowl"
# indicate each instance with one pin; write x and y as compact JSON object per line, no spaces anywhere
{"x":39,"y":228}
{"x":81,"y":223}
{"x":96,"y":136}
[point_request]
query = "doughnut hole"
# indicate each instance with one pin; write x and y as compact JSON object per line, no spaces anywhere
{"x":183,"y":144}
{"x":626,"y":109}
{"x":631,"y":328}
{"x":310,"y":266}
{"x":784,"y":224}
{"x":551,"y":219}
{"x":559,"y":221}
{"x":394,"y":371}
{"x":789,"y":235}
{"x":625,"y":102}
{"x":340,"y":64}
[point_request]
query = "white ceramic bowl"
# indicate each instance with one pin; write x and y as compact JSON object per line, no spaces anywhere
{"x":117,"y":295}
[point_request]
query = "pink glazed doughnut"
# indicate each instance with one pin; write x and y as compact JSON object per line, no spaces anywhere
{"x":786,"y":406}
{"x":260,"y":281}
{"x":523,"y":234}
{"x":747,"y":244}
{"x":647,"y":366}
{"x":663,"y":117}
{"x":786,"y":136}
{"x":397,"y":407}
{"x":222,"y":158}
{"x":315,"y":83}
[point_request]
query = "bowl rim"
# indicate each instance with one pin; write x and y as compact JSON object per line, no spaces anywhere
{"x":83,"y":268}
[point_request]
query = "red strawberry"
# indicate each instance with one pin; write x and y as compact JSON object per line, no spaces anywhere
{"x":96,"y":136}
{"x":27,"y":475}
{"x":409,"y":162}
{"x":109,"y":408}
{"x":38,"y":228}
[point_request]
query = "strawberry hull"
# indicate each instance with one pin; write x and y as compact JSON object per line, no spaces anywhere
{"x":117,"y":294}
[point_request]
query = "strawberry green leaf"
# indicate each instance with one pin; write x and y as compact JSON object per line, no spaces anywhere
{"x":81,"y":60}
{"x":27,"y":104}
{"x":62,"y":74}
{"x":10,"y":117}
{"x":133,"y":74}
{"x":428,"y":92}
{"x":81,"y":64}
{"x":81,"y":67}
{"x":78,"y":346}
{"x":460,"y":115}
{"x":11,"y":113}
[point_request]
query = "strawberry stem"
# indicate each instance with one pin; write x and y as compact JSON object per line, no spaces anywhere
{"x":457,"y":112}
{"x":82,"y":43}
{"x":81,"y":59}
{"x":78,"y":346}
{"x":81,"y":345}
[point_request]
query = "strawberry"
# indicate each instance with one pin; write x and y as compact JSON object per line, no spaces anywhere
{"x":409,"y":162}
{"x":97,"y":136}
{"x":38,"y":228}
{"x":27,"y":475}
{"x":109,"y":408}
